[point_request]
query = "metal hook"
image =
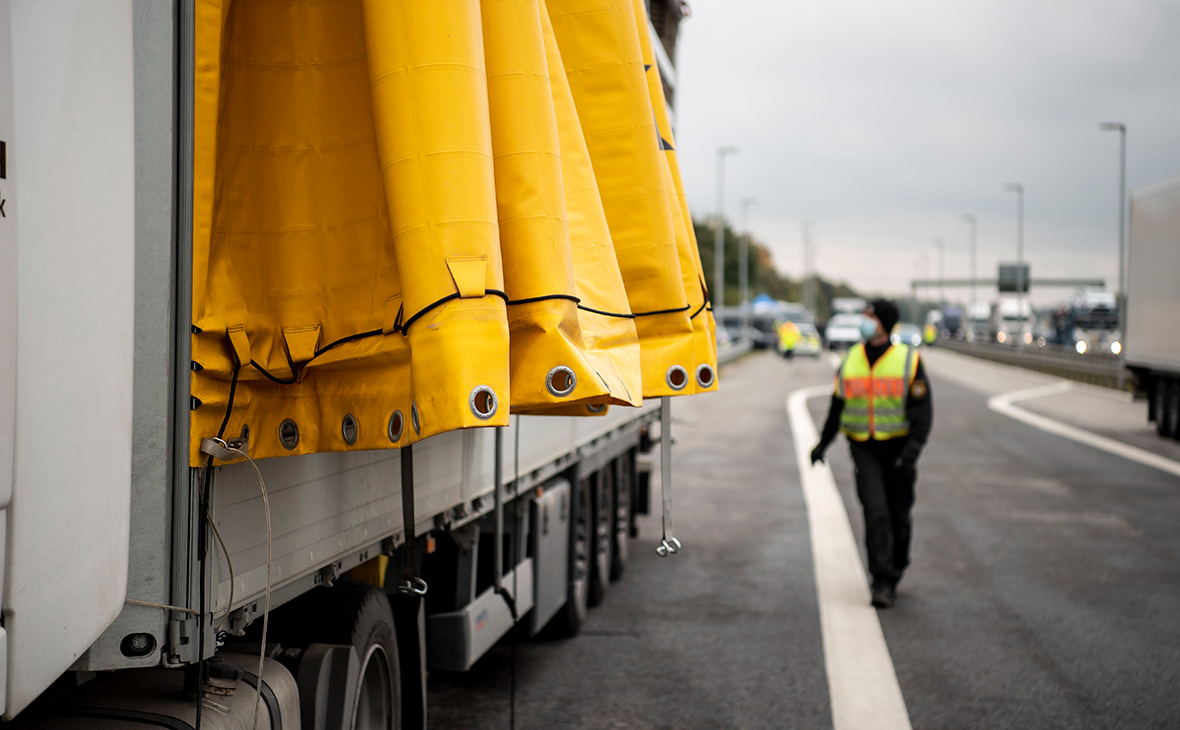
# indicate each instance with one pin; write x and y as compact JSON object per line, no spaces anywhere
{"x":669,"y":545}
{"x":412,"y":587}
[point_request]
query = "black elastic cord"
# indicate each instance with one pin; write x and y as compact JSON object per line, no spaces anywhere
{"x":685,"y":308}
{"x":274,"y":378}
{"x":703,"y":305}
{"x":546,"y":298}
{"x":343,"y":340}
{"x":405,"y":328}
{"x":620,"y":315}
{"x":229,"y":407}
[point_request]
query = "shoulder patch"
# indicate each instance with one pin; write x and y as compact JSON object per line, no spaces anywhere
{"x":918,"y":389}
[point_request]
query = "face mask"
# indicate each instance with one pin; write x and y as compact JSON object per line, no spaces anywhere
{"x":868,"y":328}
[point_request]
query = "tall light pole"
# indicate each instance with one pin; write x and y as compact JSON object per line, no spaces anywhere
{"x":806,"y":283}
{"x":970,"y":219}
{"x":938,"y":244}
{"x":1020,"y":284}
{"x":1122,"y":287}
{"x":719,"y":230}
{"x":744,"y":261}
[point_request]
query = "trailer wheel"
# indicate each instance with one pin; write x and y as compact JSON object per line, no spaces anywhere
{"x":356,"y":614}
{"x":1173,"y":409}
{"x":622,"y":470}
{"x":569,"y":620}
{"x":1159,"y":406}
{"x":602,"y":535}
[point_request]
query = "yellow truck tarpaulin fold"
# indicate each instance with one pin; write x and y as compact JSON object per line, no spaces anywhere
{"x":604,"y":65}
{"x":551,"y":365}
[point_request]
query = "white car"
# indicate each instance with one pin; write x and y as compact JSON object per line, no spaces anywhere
{"x":843,"y":331}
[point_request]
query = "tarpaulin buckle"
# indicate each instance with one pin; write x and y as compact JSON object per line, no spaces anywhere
{"x":241,"y":344}
{"x":470,"y":274}
{"x":302,"y":342}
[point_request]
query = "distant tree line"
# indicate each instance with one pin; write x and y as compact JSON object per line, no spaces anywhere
{"x":764,"y":277}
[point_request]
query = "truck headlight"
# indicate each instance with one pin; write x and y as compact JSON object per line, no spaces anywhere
{"x":1116,"y":347}
{"x":1081,"y":347}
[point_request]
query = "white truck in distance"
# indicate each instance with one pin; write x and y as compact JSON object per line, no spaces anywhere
{"x":1012,"y":321}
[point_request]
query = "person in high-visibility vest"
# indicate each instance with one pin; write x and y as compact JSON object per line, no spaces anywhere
{"x":788,"y":337}
{"x":882,"y":404}
{"x":930,"y":334}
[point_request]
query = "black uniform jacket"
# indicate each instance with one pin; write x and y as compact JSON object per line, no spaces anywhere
{"x":918,"y":410}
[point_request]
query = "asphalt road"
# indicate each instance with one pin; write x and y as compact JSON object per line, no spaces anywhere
{"x":1044,"y":590}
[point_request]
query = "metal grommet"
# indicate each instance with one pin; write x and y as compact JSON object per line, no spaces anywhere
{"x":349,"y":429}
{"x":561,"y":381}
{"x":396,"y":425}
{"x":705,"y":376}
{"x":414,"y":419}
{"x":288,"y":434}
{"x":677,"y":377}
{"x":596,"y":407}
{"x":483,"y":402}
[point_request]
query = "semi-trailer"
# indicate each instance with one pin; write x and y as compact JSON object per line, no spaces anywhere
{"x":331,"y":334}
{"x":1150,"y":347}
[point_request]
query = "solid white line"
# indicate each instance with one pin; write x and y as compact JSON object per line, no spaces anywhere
{"x":1003,"y":404}
{"x":862,"y":683}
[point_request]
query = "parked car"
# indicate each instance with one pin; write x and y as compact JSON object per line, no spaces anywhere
{"x":911,"y":334}
{"x":843,"y":331}
{"x":809,"y":342}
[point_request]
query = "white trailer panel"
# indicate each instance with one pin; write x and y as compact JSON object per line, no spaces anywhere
{"x":73,"y":104}
{"x":1153,"y":290}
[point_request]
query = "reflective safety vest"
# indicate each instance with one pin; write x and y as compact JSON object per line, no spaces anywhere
{"x":874,"y":396}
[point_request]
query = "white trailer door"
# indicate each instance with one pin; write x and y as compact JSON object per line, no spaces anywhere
{"x":67,"y":524}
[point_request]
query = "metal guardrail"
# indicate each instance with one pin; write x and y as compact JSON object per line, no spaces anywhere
{"x":1096,"y":369}
{"x":734,"y":351}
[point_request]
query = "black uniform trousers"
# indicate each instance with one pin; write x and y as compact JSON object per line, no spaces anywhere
{"x":887,"y":499}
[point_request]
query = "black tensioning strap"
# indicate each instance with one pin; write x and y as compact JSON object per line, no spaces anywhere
{"x":546,"y":298}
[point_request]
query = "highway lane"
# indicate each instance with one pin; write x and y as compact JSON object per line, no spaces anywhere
{"x":1044,"y":590}
{"x":1045,"y":582}
{"x":725,"y":634}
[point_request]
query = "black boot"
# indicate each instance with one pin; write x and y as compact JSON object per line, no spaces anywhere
{"x":884,"y":594}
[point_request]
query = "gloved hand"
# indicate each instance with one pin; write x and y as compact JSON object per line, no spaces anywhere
{"x":906,"y":470}
{"x":817,"y":454}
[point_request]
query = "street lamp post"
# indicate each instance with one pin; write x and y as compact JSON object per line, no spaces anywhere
{"x":970,"y":219}
{"x":719,"y":230}
{"x":1122,"y":287}
{"x":938,"y":244}
{"x":1020,"y":284}
{"x":744,"y":261}
{"x":806,"y":283}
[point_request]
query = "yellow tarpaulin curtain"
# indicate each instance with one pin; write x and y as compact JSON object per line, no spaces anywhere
{"x":550,"y":362}
{"x":330,"y":313}
{"x":604,"y":65}
{"x":430,"y":106}
{"x":604,"y":313}
{"x":407,"y":218}
{"x":704,"y":329}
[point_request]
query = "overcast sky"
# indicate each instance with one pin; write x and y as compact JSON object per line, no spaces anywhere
{"x":884,"y":122}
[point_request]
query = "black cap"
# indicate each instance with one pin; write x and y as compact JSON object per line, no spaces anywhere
{"x":886,"y":311}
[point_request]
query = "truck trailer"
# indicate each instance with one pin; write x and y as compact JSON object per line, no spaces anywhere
{"x":1151,"y":349}
{"x":331,"y":334}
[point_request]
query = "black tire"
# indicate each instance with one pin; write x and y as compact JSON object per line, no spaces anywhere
{"x":1174,"y":409}
{"x":622,"y":468}
{"x":357,"y":614}
{"x":1162,"y":407}
{"x":602,"y":535}
{"x":569,"y":620}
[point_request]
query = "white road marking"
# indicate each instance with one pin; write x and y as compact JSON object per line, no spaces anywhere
{"x":862,"y":683}
{"x":1003,"y":404}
